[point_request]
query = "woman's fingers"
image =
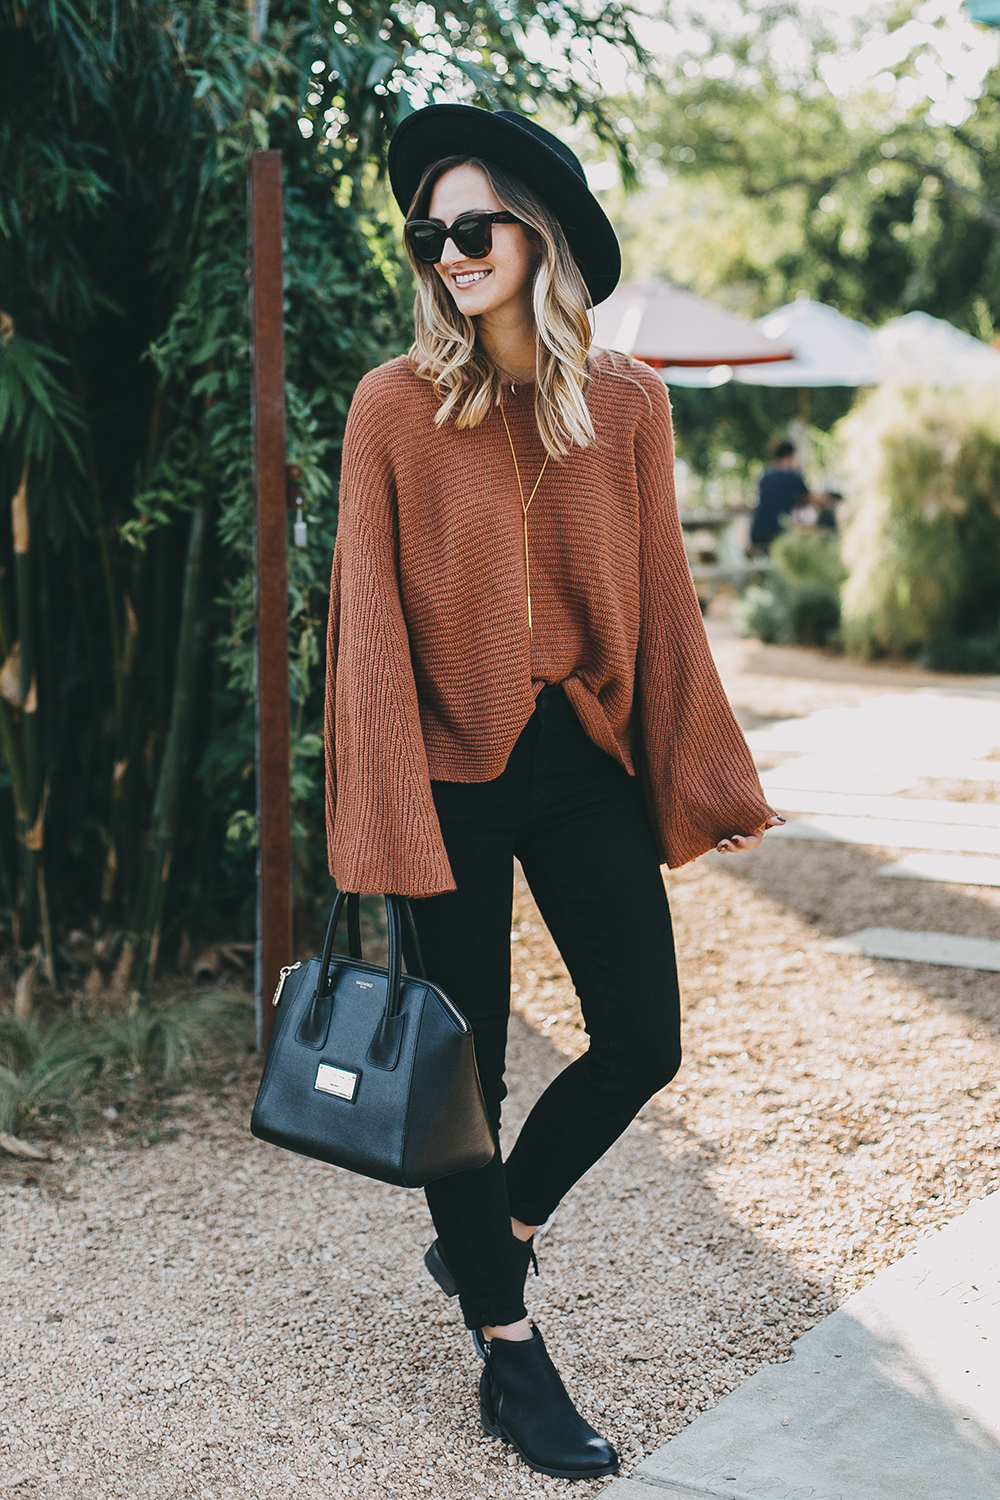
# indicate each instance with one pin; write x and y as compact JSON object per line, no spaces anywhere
{"x":737,"y":842}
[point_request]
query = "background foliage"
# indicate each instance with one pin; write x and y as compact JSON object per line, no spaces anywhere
{"x":126,"y":717}
{"x":923,"y":544}
{"x":798,"y":601}
{"x":126,"y":672}
{"x":761,"y":183}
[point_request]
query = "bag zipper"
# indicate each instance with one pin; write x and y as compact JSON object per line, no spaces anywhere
{"x":281,"y":980}
{"x":439,"y":995}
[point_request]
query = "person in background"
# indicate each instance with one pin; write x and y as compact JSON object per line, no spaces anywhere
{"x":817,"y":513}
{"x":781,"y":491}
{"x":826,"y":515}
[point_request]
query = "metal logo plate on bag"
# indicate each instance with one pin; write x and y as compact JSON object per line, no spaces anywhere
{"x":338,"y":1081}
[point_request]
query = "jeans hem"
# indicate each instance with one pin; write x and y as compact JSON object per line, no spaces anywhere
{"x":531,"y":1215}
{"x":493,"y":1315}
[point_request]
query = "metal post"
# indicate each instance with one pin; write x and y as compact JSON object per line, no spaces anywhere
{"x":267,"y":327}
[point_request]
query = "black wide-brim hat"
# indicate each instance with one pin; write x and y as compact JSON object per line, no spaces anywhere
{"x":521,"y":147}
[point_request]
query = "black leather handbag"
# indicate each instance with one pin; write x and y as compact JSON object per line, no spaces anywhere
{"x":372,"y":1069}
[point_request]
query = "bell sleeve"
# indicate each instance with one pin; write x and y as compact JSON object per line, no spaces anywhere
{"x":383,"y":833}
{"x":700,"y":780}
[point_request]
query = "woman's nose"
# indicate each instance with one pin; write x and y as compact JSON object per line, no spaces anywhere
{"x":451,"y":254}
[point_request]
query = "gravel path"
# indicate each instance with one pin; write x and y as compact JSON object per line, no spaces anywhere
{"x":212,"y":1317}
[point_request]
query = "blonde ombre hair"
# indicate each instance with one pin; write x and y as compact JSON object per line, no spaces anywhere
{"x":445,"y":350}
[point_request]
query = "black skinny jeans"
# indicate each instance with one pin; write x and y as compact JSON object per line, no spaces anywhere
{"x":576,"y":821}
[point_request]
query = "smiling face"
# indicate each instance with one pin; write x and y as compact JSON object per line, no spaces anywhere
{"x":500,"y":282}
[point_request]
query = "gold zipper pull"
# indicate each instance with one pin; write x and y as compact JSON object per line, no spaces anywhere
{"x":281,"y":981}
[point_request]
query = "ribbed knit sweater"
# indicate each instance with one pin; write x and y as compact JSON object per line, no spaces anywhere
{"x":431,"y":673}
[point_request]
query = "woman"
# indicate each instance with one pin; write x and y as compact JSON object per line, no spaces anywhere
{"x":517,"y":667}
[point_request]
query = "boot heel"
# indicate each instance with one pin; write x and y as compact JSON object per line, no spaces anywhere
{"x":435,"y":1263}
{"x":524,"y":1251}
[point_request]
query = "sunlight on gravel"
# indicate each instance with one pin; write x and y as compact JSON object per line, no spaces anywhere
{"x":843,"y":1107}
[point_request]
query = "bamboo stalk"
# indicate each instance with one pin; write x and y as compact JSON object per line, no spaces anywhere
{"x":117,"y":862}
{"x":159,"y":663}
{"x":45,"y":673}
{"x":11,"y":754}
{"x":35,"y":844}
{"x":163,"y":823}
{"x":31,"y":831}
{"x":10,"y":745}
{"x":120,"y":857}
{"x":101,"y":529}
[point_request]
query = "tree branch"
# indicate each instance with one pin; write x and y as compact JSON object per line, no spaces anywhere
{"x":820,"y":185}
{"x":964,"y":197}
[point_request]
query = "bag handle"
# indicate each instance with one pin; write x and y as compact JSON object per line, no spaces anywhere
{"x":406,"y":927}
{"x":353,"y":934}
{"x":354,"y":926}
{"x":412,"y":954}
{"x":384,"y":1049}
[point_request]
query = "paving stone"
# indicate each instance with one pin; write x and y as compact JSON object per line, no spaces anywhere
{"x":892,"y":833}
{"x":871,"y":777}
{"x":892,"y":1397}
{"x":947,"y":869}
{"x":892,"y":809}
{"x":885,"y":744}
{"x":921,"y":947}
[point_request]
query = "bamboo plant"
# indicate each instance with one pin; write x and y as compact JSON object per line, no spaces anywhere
{"x":126,"y":677}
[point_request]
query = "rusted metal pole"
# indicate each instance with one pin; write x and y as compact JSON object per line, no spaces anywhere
{"x":274,"y":830}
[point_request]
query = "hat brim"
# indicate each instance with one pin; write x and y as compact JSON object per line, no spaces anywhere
{"x":442,"y":130}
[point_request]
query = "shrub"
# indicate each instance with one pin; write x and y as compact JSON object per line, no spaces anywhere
{"x":53,"y":1069}
{"x":956,"y":653}
{"x":923,"y":541}
{"x":798,"y":602}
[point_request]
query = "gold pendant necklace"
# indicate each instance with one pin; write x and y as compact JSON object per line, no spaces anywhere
{"x":525,"y":507}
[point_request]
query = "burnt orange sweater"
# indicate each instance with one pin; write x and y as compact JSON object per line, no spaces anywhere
{"x":431,"y":672}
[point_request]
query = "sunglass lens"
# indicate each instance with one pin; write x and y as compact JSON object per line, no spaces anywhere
{"x":427,"y":241}
{"x":471,"y":233}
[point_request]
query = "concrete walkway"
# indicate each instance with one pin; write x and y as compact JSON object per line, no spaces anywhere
{"x":946,"y":948}
{"x":896,"y":1396}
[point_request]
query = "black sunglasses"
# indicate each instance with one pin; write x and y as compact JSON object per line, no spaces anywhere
{"x":471,"y":233}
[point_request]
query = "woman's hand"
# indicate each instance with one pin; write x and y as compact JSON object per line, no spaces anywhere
{"x":737,"y":842}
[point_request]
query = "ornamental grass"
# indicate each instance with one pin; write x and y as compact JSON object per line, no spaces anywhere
{"x":922,"y":544}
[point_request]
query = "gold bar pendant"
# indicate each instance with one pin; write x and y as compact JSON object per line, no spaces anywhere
{"x":527,"y":574}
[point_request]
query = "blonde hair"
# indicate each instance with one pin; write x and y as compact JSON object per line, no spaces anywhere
{"x":445,"y":350}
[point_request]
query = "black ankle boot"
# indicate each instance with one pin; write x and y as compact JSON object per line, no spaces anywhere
{"x":523,"y":1401}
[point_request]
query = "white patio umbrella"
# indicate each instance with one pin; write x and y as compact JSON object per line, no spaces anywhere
{"x":829,"y":349}
{"x":917,"y":349}
{"x":689,"y":340}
